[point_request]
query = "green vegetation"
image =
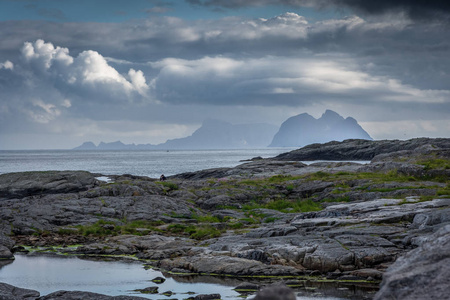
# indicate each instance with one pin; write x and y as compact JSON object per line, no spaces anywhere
{"x":444,"y":191}
{"x":104,"y":228}
{"x":338,"y":199}
{"x":207,"y":219}
{"x":437,"y":163}
{"x":205,"y":232}
{"x":170,"y":186}
{"x":197,"y":232}
{"x":285,"y":205}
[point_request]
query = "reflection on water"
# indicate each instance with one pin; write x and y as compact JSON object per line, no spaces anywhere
{"x":49,"y":274}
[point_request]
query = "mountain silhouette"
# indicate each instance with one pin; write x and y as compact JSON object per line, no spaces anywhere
{"x":303,"y":129}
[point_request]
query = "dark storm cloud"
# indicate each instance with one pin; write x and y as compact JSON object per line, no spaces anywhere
{"x":416,"y":9}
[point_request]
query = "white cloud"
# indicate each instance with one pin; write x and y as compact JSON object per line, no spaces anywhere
{"x":7,"y":65}
{"x":87,"y":75}
{"x":219,"y":80}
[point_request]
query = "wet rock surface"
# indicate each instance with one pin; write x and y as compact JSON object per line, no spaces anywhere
{"x":338,"y":220}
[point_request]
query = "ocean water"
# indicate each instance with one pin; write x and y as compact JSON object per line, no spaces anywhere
{"x":150,"y":163}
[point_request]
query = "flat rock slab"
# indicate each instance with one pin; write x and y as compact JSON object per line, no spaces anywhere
{"x":19,"y":185}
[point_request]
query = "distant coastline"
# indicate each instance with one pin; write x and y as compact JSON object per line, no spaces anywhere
{"x":297,"y":131}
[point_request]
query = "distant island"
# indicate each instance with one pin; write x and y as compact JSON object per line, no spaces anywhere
{"x":304,"y":129}
{"x":296,"y":131}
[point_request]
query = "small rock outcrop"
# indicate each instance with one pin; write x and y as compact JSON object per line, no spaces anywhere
{"x":358,"y":149}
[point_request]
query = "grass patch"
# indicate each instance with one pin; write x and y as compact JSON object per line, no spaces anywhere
{"x":170,"y":186}
{"x":338,"y":199}
{"x":435,"y":164}
{"x":271,"y":219}
{"x":105,"y":228}
{"x":205,"y":232}
{"x":207,"y":219}
{"x":286,"y":206}
{"x":444,"y":191}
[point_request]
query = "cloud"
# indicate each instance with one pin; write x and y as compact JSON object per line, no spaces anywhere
{"x":87,"y":74}
{"x":7,"y":65}
{"x":273,"y":81}
{"x":417,"y":9}
{"x":47,"y":83}
{"x":159,"y":10}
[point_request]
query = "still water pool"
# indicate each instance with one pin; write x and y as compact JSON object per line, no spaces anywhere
{"x":48,"y":274}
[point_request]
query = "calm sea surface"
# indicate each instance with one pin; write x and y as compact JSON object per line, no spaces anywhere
{"x":150,"y":163}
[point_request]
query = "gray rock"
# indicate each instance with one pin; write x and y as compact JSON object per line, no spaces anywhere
{"x":19,"y":185}
{"x":223,"y":265}
{"x":149,"y":290}
{"x":6,"y":244}
{"x":9,"y":292}
{"x":422,"y":273}
{"x":208,"y":297}
{"x":76,"y":295}
{"x":358,"y":149}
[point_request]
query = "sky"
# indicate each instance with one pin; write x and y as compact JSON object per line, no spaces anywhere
{"x":144,"y":71}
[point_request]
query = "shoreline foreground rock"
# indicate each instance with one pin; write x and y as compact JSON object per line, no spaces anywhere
{"x":335,"y":221}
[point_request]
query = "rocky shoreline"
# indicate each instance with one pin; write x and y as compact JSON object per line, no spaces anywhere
{"x":335,"y":221}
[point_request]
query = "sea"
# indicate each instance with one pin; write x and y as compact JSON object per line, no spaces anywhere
{"x":151,"y":163}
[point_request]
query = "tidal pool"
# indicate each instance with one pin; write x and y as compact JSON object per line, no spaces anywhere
{"x":48,"y":274}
